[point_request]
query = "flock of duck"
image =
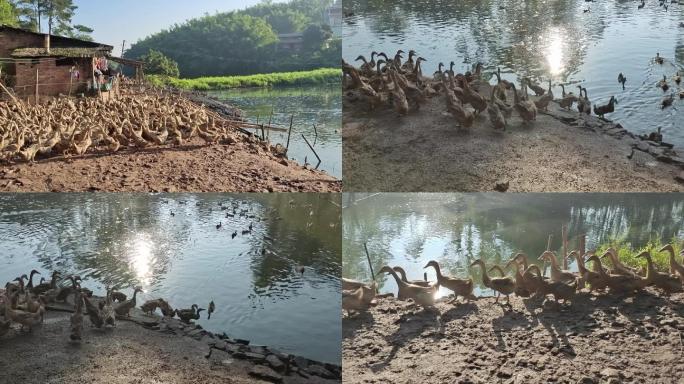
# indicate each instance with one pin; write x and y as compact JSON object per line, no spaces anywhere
{"x":65,"y":126}
{"x":528,"y":280}
{"x":25,"y":304}
{"x":402,"y":85}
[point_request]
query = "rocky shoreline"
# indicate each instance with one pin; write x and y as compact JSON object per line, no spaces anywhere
{"x":598,"y":339}
{"x":661,"y":151}
{"x":261,"y":363}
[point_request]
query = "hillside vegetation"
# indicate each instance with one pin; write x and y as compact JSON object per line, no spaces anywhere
{"x":245,"y":42}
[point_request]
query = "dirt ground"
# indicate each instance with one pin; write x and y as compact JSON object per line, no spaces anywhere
{"x":426,"y":151}
{"x":240,"y":167}
{"x":599,"y":339}
{"x":126,"y":354}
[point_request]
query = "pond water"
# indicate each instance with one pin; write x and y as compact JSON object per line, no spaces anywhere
{"x":455,"y":229}
{"x":169,"y":244}
{"x":311,"y":105}
{"x":541,"y":39}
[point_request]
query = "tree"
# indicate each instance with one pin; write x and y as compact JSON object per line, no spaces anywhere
{"x":57,"y":14}
{"x":314,"y":36}
{"x":8,"y":15}
{"x":81,"y":32}
{"x":30,"y":13}
{"x":158,"y":64}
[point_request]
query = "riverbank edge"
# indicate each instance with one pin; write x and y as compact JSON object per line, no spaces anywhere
{"x":272,"y":363}
{"x":661,"y":151}
{"x":362,"y":129}
{"x":320,"y":76}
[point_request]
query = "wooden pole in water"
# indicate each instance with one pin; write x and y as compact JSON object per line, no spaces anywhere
{"x":548,"y":248}
{"x":564,"y":232}
{"x":370,"y":265}
{"x":313,"y":150}
{"x":289,"y":131}
{"x":316,"y":134}
{"x":270,"y":118}
{"x":582,"y":243}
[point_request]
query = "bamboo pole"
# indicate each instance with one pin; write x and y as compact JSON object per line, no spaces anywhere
{"x":71,"y":79}
{"x":548,"y":248}
{"x":370,"y":265}
{"x":289,"y":132}
{"x":564,"y":232}
{"x":37,"y":86}
{"x":313,"y":150}
{"x":316,"y":134}
{"x":14,"y":99}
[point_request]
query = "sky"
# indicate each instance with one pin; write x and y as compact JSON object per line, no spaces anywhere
{"x":133,"y":20}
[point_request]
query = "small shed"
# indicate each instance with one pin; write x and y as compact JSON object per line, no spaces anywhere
{"x":37,"y":64}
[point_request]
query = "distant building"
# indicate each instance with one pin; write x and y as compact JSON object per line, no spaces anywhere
{"x":291,"y":42}
{"x":333,"y":17}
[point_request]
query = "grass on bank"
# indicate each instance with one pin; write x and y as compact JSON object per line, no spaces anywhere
{"x":314,"y":77}
{"x":628,"y":254}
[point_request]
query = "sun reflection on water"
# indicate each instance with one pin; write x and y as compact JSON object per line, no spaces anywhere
{"x":141,"y":258}
{"x":554,"y":52}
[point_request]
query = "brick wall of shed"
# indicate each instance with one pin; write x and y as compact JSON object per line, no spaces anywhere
{"x":11,"y":40}
{"x":53,"y":80}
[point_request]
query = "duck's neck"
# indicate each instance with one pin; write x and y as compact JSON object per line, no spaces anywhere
{"x":438,"y":272}
{"x":599,"y":267}
{"x":650,"y":269}
{"x":403,"y":274}
{"x":553,"y":261}
{"x":485,"y":277}
{"x":399,"y":281}
{"x":30,"y":283}
{"x":580,"y":264}
{"x":673,"y":261}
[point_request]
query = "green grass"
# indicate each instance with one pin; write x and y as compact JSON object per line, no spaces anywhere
{"x":627,"y":252}
{"x":316,"y":76}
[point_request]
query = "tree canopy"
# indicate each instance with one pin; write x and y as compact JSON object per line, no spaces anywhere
{"x":158,"y":64}
{"x":246,"y":42}
{"x":8,"y":15}
{"x":56,"y":14}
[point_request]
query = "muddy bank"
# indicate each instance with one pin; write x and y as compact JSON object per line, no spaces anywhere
{"x":147,"y":350}
{"x":599,"y":339}
{"x":426,"y":151}
{"x":244,"y":166}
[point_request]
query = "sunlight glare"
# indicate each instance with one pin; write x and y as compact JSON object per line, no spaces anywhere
{"x":554,"y":53}
{"x":141,"y":259}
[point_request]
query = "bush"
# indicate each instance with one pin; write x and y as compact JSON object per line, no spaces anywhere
{"x":158,"y":64}
{"x":317,"y":76}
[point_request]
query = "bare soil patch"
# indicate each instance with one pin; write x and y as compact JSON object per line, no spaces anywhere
{"x":559,"y":152}
{"x":599,"y":339}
